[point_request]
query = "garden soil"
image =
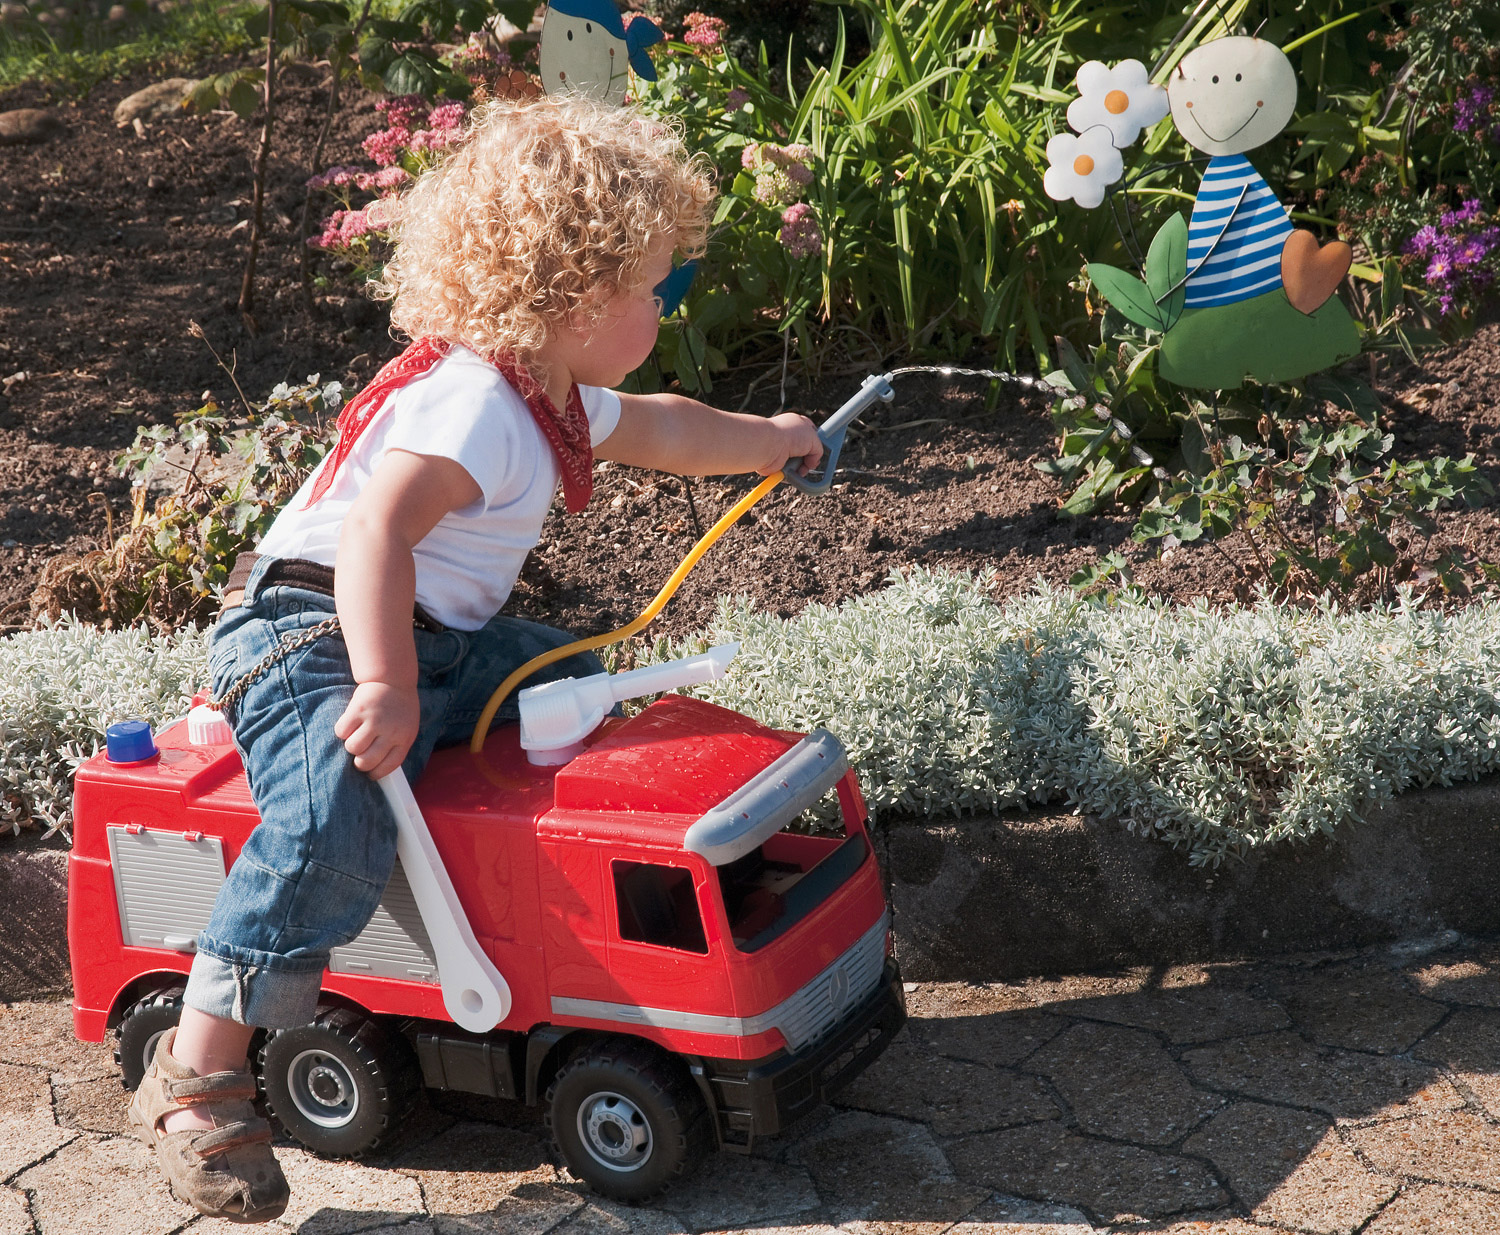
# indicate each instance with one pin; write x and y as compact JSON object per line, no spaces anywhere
{"x":113,"y":242}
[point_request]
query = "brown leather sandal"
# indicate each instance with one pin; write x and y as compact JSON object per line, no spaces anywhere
{"x":228,"y":1170}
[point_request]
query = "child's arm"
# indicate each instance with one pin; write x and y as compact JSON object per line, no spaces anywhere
{"x":676,"y":434}
{"x":375,"y":585}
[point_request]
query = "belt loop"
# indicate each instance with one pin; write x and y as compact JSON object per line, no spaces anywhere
{"x":263,"y":563}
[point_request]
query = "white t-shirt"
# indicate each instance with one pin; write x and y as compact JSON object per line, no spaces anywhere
{"x":460,"y":409}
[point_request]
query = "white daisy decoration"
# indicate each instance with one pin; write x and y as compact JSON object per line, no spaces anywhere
{"x":1082,"y":167}
{"x":1122,"y":99}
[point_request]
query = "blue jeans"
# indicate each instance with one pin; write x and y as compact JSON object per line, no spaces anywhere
{"x":312,"y":872}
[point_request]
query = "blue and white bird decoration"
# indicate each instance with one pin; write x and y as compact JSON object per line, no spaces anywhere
{"x":586,"y":47}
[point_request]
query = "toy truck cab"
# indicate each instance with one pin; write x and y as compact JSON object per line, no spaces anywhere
{"x":689,"y":962}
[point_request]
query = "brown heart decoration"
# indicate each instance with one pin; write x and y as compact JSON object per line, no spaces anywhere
{"x":1311,"y":272}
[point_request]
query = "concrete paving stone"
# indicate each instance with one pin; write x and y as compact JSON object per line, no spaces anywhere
{"x":601,"y":1217}
{"x":532,"y":1209}
{"x":952,"y":1097}
{"x":885,"y":1174}
{"x":472,"y":1167}
{"x":335,"y":1197}
{"x":816,"y":1228}
{"x":1451,"y":1147}
{"x":1434,"y":1210}
{"x":945,"y":1000}
{"x":28,"y":1128}
{"x":15,"y":1214}
{"x":1121,"y":1083}
{"x":1002,"y":1039}
{"x":1468,"y":1043}
{"x":733,"y":1190}
{"x":1474,"y":979}
{"x":1210,"y":1224}
{"x":1010,"y":1215}
{"x":102,"y":1186}
{"x":1289,"y":1167}
{"x":1188,"y":1003}
{"x":1354,"y":1087}
{"x":39,"y":1034}
{"x":1363,"y":1007}
{"x":1117,"y":1183}
{"x":94,"y":1106}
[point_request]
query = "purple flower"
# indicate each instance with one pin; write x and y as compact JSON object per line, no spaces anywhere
{"x":1471,"y":112}
{"x":799,"y":231}
{"x":1423,"y":242}
{"x":1466,"y":213}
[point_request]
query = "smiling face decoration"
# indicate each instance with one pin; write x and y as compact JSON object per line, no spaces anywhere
{"x":586,"y":47}
{"x":1232,"y":95}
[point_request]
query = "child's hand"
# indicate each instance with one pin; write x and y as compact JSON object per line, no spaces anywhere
{"x":379,"y":726}
{"x":796,"y":442}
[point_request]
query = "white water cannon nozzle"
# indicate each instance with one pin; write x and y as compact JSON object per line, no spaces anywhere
{"x":557,"y":716}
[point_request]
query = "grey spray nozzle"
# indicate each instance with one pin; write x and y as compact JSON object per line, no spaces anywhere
{"x":831,"y":431}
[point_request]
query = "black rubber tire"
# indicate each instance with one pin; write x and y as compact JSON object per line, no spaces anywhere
{"x":143,"y":1023}
{"x":341,"y":1085}
{"x":617,"y":1088}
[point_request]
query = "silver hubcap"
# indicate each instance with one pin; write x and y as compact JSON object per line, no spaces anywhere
{"x":322,"y":1089}
{"x":614,"y":1131}
{"x":148,"y":1054}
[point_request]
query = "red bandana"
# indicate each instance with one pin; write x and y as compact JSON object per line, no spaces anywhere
{"x":566,"y":431}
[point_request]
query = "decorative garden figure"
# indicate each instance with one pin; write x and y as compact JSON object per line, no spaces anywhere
{"x":586,"y":46}
{"x":1236,"y":292}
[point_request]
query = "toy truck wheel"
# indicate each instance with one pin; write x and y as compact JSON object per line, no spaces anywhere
{"x":626,"y":1120}
{"x":141,"y":1029}
{"x":340,"y":1085}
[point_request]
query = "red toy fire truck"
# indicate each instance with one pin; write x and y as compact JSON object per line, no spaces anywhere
{"x":686,"y":959}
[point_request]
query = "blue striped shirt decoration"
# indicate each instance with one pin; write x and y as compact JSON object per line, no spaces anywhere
{"x":1235,"y":208}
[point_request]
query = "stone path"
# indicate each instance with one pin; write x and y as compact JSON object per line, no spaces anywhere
{"x":1357,"y":1092}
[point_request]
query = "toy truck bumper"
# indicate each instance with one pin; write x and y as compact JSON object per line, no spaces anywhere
{"x":761,"y":1097}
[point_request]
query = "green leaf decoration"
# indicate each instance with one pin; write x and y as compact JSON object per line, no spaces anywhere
{"x":1166,"y":269}
{"x":1127,"y":294}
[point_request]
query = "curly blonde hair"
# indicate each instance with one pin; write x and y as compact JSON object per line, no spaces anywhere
{"x":546,"y":207}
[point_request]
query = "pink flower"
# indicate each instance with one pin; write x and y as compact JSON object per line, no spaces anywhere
{"x":386,"y":180}
{"x":799,"y":231}
{"x":750,"y":155}
{"x":431,"y":140}
{"x":447,"y":116}
{"x":335,"y":178}
{"x":774,"y":188}
{"x":736,"y":99}
{"x":703,"y":31}
{"x":386,"y":146}
{"x":403,"y":111}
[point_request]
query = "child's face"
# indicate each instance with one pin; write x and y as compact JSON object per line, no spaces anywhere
{"x":605,"y":350}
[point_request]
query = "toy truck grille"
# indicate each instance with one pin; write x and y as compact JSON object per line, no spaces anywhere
{"x":166,"y":882}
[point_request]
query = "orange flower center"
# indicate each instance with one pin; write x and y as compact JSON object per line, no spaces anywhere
{"x":1083,"y":165}
{"x":1116,"y":101}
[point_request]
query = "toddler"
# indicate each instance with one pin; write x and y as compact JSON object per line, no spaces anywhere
{"x":525,"y":268}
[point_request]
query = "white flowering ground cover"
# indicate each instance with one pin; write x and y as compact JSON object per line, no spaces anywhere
{"x":1220,"y":730}
{"x":62,"y":686}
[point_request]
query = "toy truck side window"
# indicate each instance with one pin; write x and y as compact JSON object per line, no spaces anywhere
{"x":657,"y":904}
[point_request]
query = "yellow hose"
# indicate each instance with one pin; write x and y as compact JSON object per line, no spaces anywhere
{"x":705,"y":543}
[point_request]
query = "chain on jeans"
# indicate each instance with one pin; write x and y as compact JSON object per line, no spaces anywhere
{"x":287,"y":645}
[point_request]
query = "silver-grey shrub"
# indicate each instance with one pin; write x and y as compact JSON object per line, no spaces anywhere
{"x":60,"y":688}
{"x":1218,"y":729}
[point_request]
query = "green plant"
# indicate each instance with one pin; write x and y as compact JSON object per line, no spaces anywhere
{"x":225,"y":478}
{"x":926,"y":157}
{"x":72,"y":48}
{"x":62,"y":685}
{"x":1222,"y":731}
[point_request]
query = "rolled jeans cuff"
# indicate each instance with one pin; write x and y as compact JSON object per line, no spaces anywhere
{"x":253,"y":993}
